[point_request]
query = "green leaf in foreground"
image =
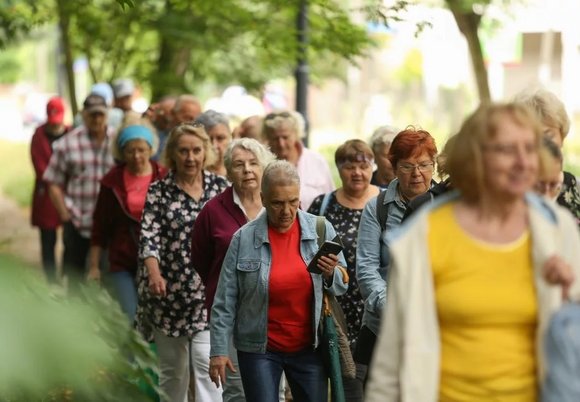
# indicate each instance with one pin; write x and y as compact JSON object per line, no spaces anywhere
{"x":73,"y":349}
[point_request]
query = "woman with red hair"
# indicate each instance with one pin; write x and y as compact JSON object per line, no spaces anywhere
{"x":412,"y":155}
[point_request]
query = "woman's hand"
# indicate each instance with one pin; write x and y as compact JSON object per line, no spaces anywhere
{"x":557,"y":272}
{"x":217,"y":369}
{"x":157,"y":285}
{"x":326,"y":264}
{"x":94,"y":274}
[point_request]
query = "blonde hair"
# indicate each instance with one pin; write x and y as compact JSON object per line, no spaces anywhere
{"x":464,"y":162}
{"x":194,"y":129}
{"x":549,"y":109}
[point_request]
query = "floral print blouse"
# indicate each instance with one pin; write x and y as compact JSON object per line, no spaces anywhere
{"x":345,"y":221}
{"x":569,"y":198}
{"x":166,"y":227}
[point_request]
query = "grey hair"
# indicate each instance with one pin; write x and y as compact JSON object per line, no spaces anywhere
{"x":210,"y":118}
{"x":181,"y":99}
{"x":262,"y":154}
{"x":279,"y":173}
{"x":276,"y":120}
{"x":548,"y":108}
{"x":383,"y":135}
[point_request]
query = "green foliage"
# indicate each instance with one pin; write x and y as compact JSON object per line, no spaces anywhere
{"x":9,"y":66}
{"x":16,"y":173}
{"x":19,"y":17}
{"x":57,"y":348}
{"x":176,"y":46}
{"x":411,"y":71}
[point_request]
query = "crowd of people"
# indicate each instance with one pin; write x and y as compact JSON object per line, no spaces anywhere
{"x":453,"y":262}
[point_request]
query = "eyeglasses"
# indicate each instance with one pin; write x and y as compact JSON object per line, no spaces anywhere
{"x":353,"y":165}
{"x":510,"y":149}
{"x":271,"y":116}
{"x":193,"y":123}
{"x":423,"y":167}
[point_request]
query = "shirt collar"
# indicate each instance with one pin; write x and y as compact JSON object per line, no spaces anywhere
{"x":238,"y":202}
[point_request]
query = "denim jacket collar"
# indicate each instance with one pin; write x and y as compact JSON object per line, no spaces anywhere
{"x":392,"y":192}
{"x":261,"y":233}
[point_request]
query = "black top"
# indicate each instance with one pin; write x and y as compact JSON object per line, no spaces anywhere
{"x":417,"y":202}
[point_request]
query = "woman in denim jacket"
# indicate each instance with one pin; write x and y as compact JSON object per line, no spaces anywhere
{"x":412,"y":154}
{"x":269,"y":300}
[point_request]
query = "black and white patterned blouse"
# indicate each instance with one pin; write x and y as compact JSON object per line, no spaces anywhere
{"x":345,"y":221}
{"x":569,"y":198}
{"x":166,"y":227}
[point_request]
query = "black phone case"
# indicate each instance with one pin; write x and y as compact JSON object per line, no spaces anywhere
{"x":328,"y":247}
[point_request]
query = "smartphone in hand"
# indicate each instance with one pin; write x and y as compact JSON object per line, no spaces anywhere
{"x":328,"y":247}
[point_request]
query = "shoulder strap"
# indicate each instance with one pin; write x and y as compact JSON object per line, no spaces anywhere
{"x":324,"y":204}
{"x":321,"y":229}
{"x":382,"y":210}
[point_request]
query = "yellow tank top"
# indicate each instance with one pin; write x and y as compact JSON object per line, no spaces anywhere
{"x":487,"y":309}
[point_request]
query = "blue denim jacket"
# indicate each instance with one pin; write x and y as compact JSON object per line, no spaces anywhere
{"x":241,"y":300}
{"x":372,"y":254}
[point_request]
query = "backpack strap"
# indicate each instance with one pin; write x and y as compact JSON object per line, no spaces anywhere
{"x":382,"y":210}
{"x":321,"y":229}
{"x":321,"y":232}
{"x":324,"y":204}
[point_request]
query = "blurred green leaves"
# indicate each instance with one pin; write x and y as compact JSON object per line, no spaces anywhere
{"x":75,"y":349}
{"x":176,"y":46}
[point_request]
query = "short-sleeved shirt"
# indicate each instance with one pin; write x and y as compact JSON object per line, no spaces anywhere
{"x":166,"y":227}
{"x":77,"y":165}
{"x":487,"y":311}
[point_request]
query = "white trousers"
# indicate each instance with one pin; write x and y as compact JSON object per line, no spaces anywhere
{"x":175,"y":357}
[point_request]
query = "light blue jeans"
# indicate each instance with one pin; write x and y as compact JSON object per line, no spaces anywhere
{"x":123,"y":289}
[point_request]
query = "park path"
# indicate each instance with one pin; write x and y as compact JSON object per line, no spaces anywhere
{"x":17,"y":237}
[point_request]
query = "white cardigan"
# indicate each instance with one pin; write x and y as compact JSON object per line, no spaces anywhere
{"x":406,"y":359}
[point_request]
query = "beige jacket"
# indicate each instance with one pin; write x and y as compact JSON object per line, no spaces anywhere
{"x":406,"y":359}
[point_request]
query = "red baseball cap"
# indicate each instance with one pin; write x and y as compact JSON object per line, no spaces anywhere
{"x":55,"y":110}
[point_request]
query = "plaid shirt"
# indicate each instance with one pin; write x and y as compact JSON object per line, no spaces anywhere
{"x":77,"y":165}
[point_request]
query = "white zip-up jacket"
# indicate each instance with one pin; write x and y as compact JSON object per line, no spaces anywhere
{"x":406,"y":361}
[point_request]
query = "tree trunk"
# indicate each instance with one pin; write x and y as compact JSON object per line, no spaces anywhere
{"x":173,"y":63}
{"x":468,"y":23}
{"x":63,"y":24}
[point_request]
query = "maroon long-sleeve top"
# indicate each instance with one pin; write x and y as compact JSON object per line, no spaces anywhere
{"x":43,"y":213}
{"x":214,"y":227}
{"x":114,"y":228}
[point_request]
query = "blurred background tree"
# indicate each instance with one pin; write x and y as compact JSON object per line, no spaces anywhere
{"x":175,"y":46}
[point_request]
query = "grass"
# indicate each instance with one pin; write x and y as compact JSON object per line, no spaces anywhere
{"x":16,"y":171}
{"x":8,"y":260}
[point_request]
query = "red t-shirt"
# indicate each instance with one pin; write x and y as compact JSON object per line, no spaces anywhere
{"x":290,"y":294}
{"x":136,"y":187}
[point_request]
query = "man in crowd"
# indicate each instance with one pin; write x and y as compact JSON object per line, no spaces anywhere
{"x":186,"y":108}
{"x":43,"y":213}
{"x":124,"y":89}
{"x":79,"y":161}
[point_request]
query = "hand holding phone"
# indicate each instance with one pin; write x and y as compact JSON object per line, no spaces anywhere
{"x":328,"y":247}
